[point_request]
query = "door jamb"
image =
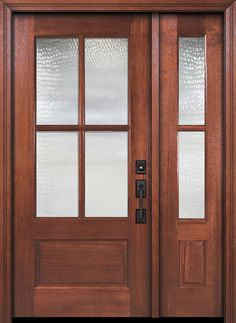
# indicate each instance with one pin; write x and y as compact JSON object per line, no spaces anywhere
{"x":228,"y":7}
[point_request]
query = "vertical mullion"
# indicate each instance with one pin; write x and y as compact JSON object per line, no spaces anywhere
{"x":81,"y":122}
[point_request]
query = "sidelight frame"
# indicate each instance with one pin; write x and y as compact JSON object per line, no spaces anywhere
{"x":228,"y":7}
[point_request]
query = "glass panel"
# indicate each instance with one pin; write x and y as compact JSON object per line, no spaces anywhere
{"x":106,"y":174}
{"x":191,"y":172}
{"x":191,"y":80}
{"x":57,"y":80}
{"x":57,"y":174}
{"x":106,"y":81}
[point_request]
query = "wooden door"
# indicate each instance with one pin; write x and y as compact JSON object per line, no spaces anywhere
{"x":81,"y":120}
{"x":191,"y":168}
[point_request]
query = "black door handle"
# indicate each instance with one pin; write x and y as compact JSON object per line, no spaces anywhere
{"x":141,"y":194}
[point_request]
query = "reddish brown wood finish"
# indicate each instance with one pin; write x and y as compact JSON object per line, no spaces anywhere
{"x":230,"y":164}
{"x":82,"y":262}
{"x":192,"y":263}
{"x":190,"y":250}
{"x":89,"y":228}
{"x":117,"y":5}
{"x":82,"y":128}
{"x":80,"y":253}
{"x":155,"y":165}
{"x":140,"y":240}
{"x":190,"y":128}
{"x":6,"y":8}
{"x":81,"y":114}
{"x":113,"y":25}
{"x":6,"y":172}
{"x":24,"y":166}
{"x":82,"y":301}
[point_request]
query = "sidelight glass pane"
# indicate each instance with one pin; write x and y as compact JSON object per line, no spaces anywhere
{"x":191,"y":173}
{"x":57,"y":80}
{"x":57,"y":174}
{"x":106,"y":174}
{"x":191,"y":80}
{"x":106,"y":81}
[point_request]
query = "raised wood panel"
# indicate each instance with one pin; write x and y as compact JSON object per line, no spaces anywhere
{"x":192,"y":255}
{"x":81,"y":301}
{"x":82,"y":262}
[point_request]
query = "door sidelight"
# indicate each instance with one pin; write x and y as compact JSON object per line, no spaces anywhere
{"x":141,"y":194}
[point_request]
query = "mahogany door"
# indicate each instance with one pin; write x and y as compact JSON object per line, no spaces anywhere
{"x":191,"y":166}
{"x":82,"y":175}
{"x":81,"y":121}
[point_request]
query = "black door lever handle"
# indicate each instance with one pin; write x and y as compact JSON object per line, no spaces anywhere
{"x":141,"y":203}
{"x":141,"y":194}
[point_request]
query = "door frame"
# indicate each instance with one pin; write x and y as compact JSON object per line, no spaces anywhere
{"x":228,"y":7}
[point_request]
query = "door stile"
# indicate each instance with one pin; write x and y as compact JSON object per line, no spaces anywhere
{"x":24,"y":161}
{"x":155,"y":165}
{"x":140,"y":120}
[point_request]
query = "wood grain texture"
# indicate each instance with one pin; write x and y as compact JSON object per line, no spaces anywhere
{"x":83,"y":24}
{"x":168,"y":180}
{"x":24,"y":166}
{"x":193,"y":263}
{"x":8,"y":170}
{"x":177,"y":301}
{"x":131,"y":2}
{"x":230,"y":162}
{"x":214,"y":157}
{"x":59,"y":259}
{"x":140,"y":282}
{"x":88,"y":228}
{"x":230,"y":61}
{"x":117,"y":5}
{"x":81,"y":301}
{"x":155,"y":165}
{"x":82,"y":262}
{"x":5,"y":167}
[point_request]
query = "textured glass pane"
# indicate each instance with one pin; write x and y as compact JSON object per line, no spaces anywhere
{"x":191,"y":172}
{"x":106,"y":81}
{"x":191,"y":80}
{"x":57,"y":80}
{"x":57,"y":174}
{"x":106,"y":174}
